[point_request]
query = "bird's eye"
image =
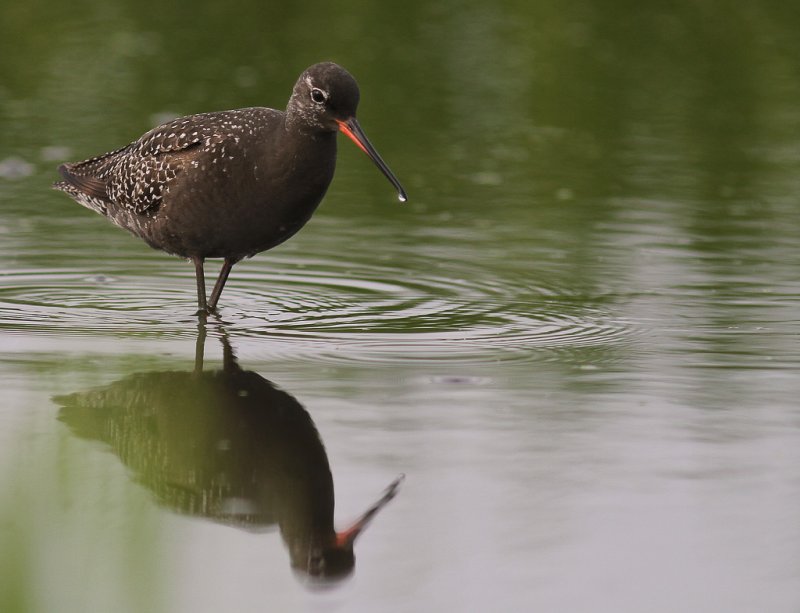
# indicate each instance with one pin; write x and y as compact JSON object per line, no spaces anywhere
{"x":318,"y":96}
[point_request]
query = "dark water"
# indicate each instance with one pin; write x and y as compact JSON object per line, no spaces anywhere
{"x":579,"y":339}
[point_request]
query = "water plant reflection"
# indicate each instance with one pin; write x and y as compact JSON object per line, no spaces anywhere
{"x":229,"y":446}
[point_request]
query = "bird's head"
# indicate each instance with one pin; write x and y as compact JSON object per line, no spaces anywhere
{"x":325,"y":99}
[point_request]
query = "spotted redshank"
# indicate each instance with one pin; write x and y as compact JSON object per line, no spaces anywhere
{"x":228,"y":184}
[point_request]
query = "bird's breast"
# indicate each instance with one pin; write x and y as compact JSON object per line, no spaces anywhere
{"x":236,"y":201}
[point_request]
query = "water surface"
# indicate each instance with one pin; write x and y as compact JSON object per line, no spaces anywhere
{"x":578,"y":339}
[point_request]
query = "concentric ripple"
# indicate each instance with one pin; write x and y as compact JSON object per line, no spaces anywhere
{"x":316,"y":309}
{"x":74,"y":302}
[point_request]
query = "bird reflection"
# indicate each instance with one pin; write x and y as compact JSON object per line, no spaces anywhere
{"x":226,"y":445}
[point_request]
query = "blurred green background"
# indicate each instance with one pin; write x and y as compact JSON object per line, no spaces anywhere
{"x":579,"y":338}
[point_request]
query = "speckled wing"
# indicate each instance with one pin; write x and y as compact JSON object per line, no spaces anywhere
{"x":137,"y":176}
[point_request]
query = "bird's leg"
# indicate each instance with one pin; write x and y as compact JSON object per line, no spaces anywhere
{"x":202,"y":308}
{"x":200,"y":343}
{"x":220,"y":284}
{"x":229,"y":363}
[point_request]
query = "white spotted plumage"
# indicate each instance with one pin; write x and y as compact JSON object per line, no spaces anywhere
{"x":229,"y":184}
{"x":137,"y":176}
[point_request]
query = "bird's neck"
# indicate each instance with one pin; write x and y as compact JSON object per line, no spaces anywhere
{"x":296,"y":134}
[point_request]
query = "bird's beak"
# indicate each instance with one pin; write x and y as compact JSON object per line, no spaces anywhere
{"x":345,"y":538}
{"x":351,"y":128}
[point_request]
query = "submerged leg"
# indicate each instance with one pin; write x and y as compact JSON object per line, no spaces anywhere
{"x":201,"y":285}
{"x":229,"y":363}
{"x":220,"y":284}
{"x":200,"y":343}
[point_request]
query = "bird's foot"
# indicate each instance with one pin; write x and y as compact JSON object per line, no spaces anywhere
{"x":205,"y":312}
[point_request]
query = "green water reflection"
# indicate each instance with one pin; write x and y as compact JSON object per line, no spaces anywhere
{"x":228,"y":446}
{"x":579,"y":338}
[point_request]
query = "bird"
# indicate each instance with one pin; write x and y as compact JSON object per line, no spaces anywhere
{"x":227,"y":184}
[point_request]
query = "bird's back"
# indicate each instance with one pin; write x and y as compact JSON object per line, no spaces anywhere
{"x":221,"y":184}
{"x":135,"y":177}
